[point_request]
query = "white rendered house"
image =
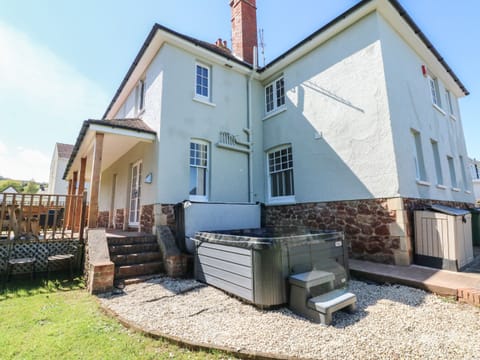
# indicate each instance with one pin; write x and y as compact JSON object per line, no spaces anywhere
{"x":349,"y":130}
{"x":60,"y":157}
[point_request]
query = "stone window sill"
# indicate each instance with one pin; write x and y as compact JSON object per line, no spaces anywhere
{"x":423,"y":183}
{"x":204,"y":101}
{"x":456,"y":189}
{"x":439,"y":109}
{"x":440,"y":186}
{"x":275,"y":112}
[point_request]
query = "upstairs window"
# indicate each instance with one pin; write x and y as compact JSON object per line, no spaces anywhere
{"x":419,"y":161}
{"x":140,"y":96}
{"x":474,"y":170}
{"x":463,"y":172}
{"x":280,"y":171}
{"x":202,"y":81}
{"x":448,"y":95}
{"x":434,"y":90}
{"x":453,"y":175}
{"x":198,"y":171}
{"x":438,"y":165}
{"x":275,"y":95}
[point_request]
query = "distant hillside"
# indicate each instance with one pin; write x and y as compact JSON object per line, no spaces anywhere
{"x":29,"y":187}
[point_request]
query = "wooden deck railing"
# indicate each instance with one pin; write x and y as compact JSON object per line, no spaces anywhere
{"x":44,"y":217}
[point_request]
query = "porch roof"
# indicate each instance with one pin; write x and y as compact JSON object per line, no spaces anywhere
{"x":120,"y":136}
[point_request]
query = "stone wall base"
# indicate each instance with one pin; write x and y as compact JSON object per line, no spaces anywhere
{"x":100,"y":277}
{"x":379,"y":230}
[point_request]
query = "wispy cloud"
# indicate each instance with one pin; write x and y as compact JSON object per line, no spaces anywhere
{"x":43,"y":100}
{"x":23,"y":163}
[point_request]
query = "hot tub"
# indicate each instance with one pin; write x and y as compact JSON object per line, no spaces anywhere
{"x":254,"y":264}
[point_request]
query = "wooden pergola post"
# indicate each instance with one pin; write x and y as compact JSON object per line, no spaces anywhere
{"x":95,"y":181}
{"x":71,"y":201}
{"x":80,"y":190}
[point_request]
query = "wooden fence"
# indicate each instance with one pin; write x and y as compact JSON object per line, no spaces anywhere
{"x":42,"y":217}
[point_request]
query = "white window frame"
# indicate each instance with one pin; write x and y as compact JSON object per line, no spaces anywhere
{"x":434,"y":89}
{"x":281,"y":198}
{"x":140,"y":96}
{"x":278,"y":95}
{"x":453,"y":175}
{"x":463,"y":172}
{"x":420,"y":170}
{"x":437,"y":162}
{"x":200,"y":95}
{"x":195,"y":197}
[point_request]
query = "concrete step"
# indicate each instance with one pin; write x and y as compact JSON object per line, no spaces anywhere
{"x":132,"y":248}
{"x":126,"y":271}
{"x":126,"y":240}
{"x":136,"y":258}
{"x":121,"y":283}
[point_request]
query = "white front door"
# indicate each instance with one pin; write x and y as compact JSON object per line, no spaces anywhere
{"x":134,"y":214}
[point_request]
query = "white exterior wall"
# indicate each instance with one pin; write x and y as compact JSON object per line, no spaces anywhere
{"x":122,"y":168}
{"x":337,"y":120}
{"x":411,"y":107}
{"x":183,"y":119}
{"x":56,"y":185}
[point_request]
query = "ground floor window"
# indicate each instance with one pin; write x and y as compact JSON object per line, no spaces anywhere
{"x":198,"y":170}
{"x":280,"y":171}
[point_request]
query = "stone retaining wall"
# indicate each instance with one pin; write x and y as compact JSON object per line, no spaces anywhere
{"x":119,"y":219}
{"x":103,"y":219}
{"x":379,"y":230}
{"x":147,"y":219}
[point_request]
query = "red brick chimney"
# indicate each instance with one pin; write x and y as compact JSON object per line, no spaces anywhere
{"x":244,"y":28}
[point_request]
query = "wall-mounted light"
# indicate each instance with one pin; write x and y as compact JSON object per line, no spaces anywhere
{"x":148,"y":178}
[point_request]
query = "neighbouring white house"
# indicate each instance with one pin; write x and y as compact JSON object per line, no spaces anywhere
{"x":8,"y":190}
{"x":474,"y":166}
{"x":351,"y":129}
{"x":60,"y":157}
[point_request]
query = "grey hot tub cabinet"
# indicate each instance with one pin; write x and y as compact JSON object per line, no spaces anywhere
{"x":255,"y":264}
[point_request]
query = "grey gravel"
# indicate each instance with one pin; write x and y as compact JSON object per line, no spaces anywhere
{"x":392,"y":322}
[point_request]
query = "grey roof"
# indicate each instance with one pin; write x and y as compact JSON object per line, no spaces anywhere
{"x":128,"y":124}
{"x":64,"y":150}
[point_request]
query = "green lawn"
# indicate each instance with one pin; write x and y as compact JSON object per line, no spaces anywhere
{"x":60,"y":320}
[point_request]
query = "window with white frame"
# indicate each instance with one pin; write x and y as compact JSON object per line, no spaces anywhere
{"x":434,"y":90}
{"x":475,"y":171}
{"x":438,"y":165}
{"x":202,"y":81}
{"x":448,"y":95}
{"x":463,"y":172}
{"x":275,"y":95}
{"x":140,"y":96}
{"x":453,"y":175}
{"x":198,"y":170}
{"x":419,"y":160}
{"x":280,"y":174}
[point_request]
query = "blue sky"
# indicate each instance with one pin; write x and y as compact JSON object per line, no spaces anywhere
{"x":62,"y":61}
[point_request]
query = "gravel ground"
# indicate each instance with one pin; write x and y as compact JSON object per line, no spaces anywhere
{"x":392,"y":322}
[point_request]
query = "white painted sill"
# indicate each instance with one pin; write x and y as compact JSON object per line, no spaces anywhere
{"x":276,"y":112}
{"x":283,"y":200}
{"x":439,"y":109}
{"x":456,"y":189}
{"x":468,"y":192}
{"x":198,"y":198}
{"x":423,"y":183}
{"x":203,"y":101}
{"x":440,"y":186}
{"x":453,"y":117}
